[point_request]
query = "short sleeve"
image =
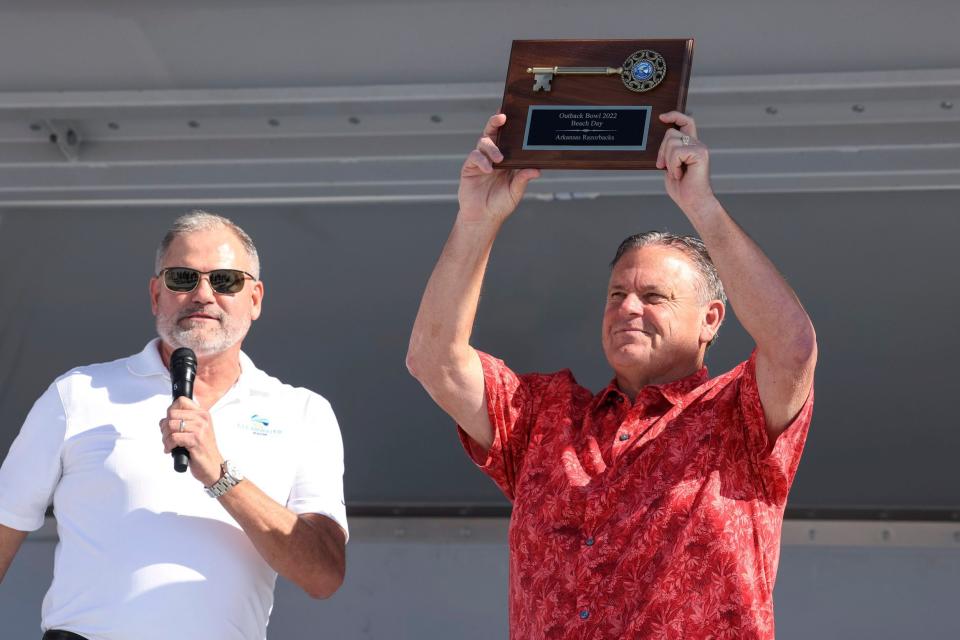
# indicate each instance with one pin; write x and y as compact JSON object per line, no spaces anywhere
{"x":32,"y":468}
{"x":511,"y":406}
{"x":777,"y":463}
{"x":318,"y":483}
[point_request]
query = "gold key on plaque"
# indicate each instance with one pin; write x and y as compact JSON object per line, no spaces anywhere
{"x":641,"y":71}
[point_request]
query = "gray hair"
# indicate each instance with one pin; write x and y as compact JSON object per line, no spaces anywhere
{"x":199,"y":220}
{"x":708,"y":283}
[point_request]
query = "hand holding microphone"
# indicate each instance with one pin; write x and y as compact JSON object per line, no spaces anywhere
{"x":188,"y":429}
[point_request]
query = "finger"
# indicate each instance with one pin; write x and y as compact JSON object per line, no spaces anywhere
{"x":188,"y":414}
{"x":186,"y":440}
{"x":681,"y":156}
{"x":493,"y":124}
{"x":182,"y":422}
{"x":670,"y":139}
{"x":183,"y":402}
{"x":175,"y":419}
{"x":520,"y":180}
{"x":671,"y":158}
{"x":670,"y":142}
{"x":166,"y":427}
{"x":682,"y":121}
{"x":523,"y":177}
{"x":675,"y":163}
{"x":528,"y":174}
{"x":662,"y":151}
{"x":487,"y":147}
{"x":174,"y":413}
{"x":477,"y":161}
{"x":677,"y":155}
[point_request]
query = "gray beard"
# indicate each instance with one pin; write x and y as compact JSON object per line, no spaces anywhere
{"x":203,"y":342}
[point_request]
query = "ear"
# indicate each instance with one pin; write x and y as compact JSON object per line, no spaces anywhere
{"x":256,"y":295}
{"x":154,"y":294}
{"x":712,"y":319}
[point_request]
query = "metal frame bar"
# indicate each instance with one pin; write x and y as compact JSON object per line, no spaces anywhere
{"x":870,"y":131}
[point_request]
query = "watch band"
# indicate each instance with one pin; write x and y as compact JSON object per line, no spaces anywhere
{"x":229,"y":478}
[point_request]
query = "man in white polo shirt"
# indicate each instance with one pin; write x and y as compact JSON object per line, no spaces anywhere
{"x":146,"y":552}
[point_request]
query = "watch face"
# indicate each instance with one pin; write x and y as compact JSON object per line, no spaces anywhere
{"x":232,"y":470}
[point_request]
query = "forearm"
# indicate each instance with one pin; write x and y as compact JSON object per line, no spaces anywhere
{"x":10,"y":541}
{"x":308,"y":551}
{"x":440,"y":340}
{"x":765,"y":304}
{"x":440,"y":355}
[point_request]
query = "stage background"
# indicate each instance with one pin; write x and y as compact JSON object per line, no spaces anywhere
{"x":343,"y":283}
{"x":333,"y":131}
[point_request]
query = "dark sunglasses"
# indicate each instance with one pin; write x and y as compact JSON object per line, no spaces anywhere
{"x":185,"y":279}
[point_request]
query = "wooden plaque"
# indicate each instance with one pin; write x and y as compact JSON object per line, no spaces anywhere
{"x":593,"y":121}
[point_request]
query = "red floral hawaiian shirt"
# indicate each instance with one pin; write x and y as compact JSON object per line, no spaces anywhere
{"x":656,"y":519}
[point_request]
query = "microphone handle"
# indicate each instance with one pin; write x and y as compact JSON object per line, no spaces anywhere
{"x":181,"y":457}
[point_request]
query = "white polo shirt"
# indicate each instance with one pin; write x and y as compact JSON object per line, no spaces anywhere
{"x":142,"y":546}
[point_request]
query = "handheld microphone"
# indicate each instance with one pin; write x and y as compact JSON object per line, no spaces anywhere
{"x":183,"y":369}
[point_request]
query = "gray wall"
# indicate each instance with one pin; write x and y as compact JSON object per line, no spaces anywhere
{"x":876,"y":272}
{"x":433,"y":579}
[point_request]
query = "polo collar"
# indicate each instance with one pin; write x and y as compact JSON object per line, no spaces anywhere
{"x":673,"y":391}
{"x":148,"y":363}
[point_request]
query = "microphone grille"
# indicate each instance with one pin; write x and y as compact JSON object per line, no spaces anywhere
{"x":184,"y":356}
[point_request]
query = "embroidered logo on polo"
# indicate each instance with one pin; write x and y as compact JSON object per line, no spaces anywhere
{"x":259,"y":426}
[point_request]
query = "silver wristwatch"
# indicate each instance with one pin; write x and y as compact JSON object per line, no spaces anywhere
{"x":230,"y":476}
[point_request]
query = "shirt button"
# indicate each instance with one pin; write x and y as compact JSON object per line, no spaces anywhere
{"x":589,"y":542}
{"x":584,"y":614}
{"x":624,"y":436}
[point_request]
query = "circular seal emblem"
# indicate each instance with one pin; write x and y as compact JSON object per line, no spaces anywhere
{"x":643,"y":70}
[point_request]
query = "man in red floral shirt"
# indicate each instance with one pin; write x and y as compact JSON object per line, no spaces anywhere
{"x":653,"y":508}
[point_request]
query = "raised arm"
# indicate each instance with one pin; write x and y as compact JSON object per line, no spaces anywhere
{"x":440,"y":355}
{"x":764,"y":303}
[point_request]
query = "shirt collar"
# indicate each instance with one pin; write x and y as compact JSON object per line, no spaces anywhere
{"x":672,"y":391}
{"x":148,"y":363}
